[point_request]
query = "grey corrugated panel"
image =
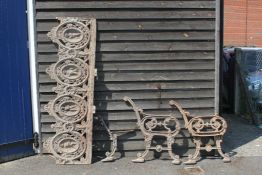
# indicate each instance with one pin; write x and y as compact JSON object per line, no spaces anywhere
{"x":152,"y":49}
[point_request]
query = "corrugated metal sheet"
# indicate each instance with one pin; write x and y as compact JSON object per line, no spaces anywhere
{"x":152,"y":51}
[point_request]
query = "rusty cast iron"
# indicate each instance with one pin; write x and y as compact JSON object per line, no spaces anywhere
{"x":73,"y":107}
{"x":203,"y":127}
{"x":113,"y":137}
{"x":156,"y":125}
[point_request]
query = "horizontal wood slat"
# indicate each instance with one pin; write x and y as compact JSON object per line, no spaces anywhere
{"x":152,"y":51}
{"x":132,"y":57}
{"x":128,"y":14}
{"x":157,"y":94}
{"x":140,"y":46}
{"x":158,"y":65}
{"x":129,"y":115}
{"x":141,"y":25}
{"x":145,"y":86}
{"x":145,"y":36}
{"x":76,"y":4}
{"x":155,"y":104}
{"x":145,"y":76}
{"x":150,"y":104}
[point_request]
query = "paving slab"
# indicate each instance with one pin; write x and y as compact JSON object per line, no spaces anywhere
{"x":45,"y":165}
{"x":243,"y":141}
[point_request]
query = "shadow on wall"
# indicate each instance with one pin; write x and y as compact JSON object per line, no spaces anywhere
{"x":131,"y":141}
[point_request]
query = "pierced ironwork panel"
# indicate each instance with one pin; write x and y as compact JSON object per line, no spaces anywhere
{"x":73,"y":107}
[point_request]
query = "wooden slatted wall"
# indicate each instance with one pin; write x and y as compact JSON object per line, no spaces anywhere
{"x":152,"y":51}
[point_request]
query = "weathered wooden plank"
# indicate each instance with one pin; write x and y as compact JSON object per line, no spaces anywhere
{"x":145,"y":36}
{"x":151,"y":56}
{"x":141,"y":46}
{"x":148,"y":86}
{"x":130,"y":115}
{"x":157,"y":94}
{"x":167,"y":65}
{"x":155,"y":46}
{"x":134,"y":25}
{"x":155,"y":104}
{"x":178,"y":85}
{"x":128,"y":14}
{"x":157,"y":76}
{"x":145,"y":76}
{"x":103,"y":106}
{"x":170,"y":65}
{"x":127,"y":36}
{"x":76,"y":4}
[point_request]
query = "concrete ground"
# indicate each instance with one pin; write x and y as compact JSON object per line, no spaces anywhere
{"x":45,"y":165}
{"x":242,"y":139}
{"x":243,"y":142}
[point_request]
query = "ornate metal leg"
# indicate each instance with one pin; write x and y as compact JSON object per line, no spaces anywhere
{"x":218,"y":140}
{"x":192,"y":159}
{"x":176,"y":158}
{"x":141,"y":156}
{"x":113,"y":137}
{"x":110,"y":155}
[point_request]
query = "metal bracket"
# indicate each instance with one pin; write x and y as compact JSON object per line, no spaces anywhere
{"x":113,"y":137}
{"x":202,"y":127}
{"x":36,"y":140}
{"x":156,"y":125}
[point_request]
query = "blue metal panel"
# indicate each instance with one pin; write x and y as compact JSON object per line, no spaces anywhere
{"x":15,"y":104}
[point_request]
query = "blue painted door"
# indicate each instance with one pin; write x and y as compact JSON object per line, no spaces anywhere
{"x":15,"y":105}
